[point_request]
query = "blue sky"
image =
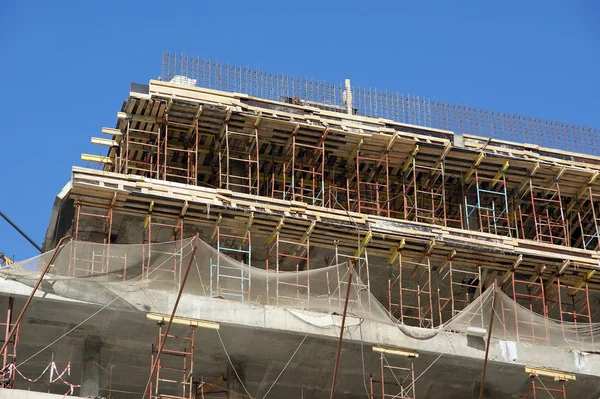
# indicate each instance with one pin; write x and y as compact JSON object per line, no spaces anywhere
{"x":66,"y":66}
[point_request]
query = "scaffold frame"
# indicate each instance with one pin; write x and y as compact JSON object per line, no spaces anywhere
{"x":187,"y":172}
{"x":238,"y":151}
{"x":529,"y":294}
{"x":401,"y":288}
{"x":279,"y":249}
{"x":400,"y":380}
{"x":535,"y":214}
{"x":491,"y":206}
{"x":169,"y":372}
{"x":238,"y":247}
{"x":175,"y":258}
{"x":462,"y":284}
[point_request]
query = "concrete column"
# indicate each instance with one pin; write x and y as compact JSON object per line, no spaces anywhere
{"x":234,"y":386}
{"x":90,"y":374}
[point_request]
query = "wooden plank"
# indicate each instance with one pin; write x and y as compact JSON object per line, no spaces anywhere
{"x":96,"y":158}
{"x":111,"y":131}
{"x":106,"y":142}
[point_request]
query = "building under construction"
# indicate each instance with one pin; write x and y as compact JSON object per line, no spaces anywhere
{"x":244,"y":234}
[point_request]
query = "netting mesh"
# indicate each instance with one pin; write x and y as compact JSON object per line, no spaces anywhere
{"x":142,"y":276}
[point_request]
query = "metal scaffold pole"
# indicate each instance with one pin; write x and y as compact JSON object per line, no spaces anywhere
{"x":162,"y":343}
{"x":339,"y":348}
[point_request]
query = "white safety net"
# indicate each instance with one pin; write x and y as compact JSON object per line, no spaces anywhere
{"x":142,"y":276}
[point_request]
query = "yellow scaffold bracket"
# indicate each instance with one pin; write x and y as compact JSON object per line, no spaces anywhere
{"x":397,"y":251}
{"x":563,"y":267}
{"x":216,"y":228}
{"x":512,"y":269}
{"x":499,"y":174}
{"x":527,"y":180}
{"x":390,"y":350}
{"x":582,"y":282}
{"x":556,"y":374}
{"x":390,"y":143}
{"x":410,"y":158}
{"x":447,"y":261}
{"x":193,"y":125}
{"x":355,"y":151}
{"x":476,"y":164}
{"x":363,"y":245}
{"x":248,"y":224}
{"x":582,"y":191}
{"x":308,"y":232}
{"x":441,"y":158}
{"x":5,"y":260}
{"x":169,"y":105}
{"x":275,"y":232}
{"x":593,"y":178}
{"x":184,"y":209}
{"x":147,"y":218}
{"x":258,"y":119}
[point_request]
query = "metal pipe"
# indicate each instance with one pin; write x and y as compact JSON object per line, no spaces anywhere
{"x":162,"y":343}
{"x":489,"y":338}
{"x":339,"y":348}
{"x":35,"y":287}
{"x":21,"y":232}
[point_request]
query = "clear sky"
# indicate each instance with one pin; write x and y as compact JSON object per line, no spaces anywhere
{"x":66,"y":66}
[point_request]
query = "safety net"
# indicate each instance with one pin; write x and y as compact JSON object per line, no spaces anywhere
{"x":142,"y":277}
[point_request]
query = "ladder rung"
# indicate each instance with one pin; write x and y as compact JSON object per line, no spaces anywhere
{"x":169,"y":381}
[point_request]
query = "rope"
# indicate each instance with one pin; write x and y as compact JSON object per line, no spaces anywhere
{"x":362,"y":356}
{"x":298,"y":348}
{"x":99,"y":310}
{"x":231,"y":364}
{"x":222,"y":343}
{"x":284,"y":367}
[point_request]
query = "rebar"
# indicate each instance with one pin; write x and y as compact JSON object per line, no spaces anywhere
{"x":407,"y":109}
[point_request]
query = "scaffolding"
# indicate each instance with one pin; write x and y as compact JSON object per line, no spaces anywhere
{"x":589,"y":223}
{"x":555,"y":389}
{"x":9,"y":356}
{"x":288,"y":255}
{"x":84,"y":263}
{"x":486,"y":204}
{"x":573,"y":304}
{"x":393,"y":381}
{"x":541,"y":215}
{"x":141,"y":148}
{"x":226,"y":280}
{"x":531,"y":295}
{"x":154,"y":228}
{"x":360,"y":262}
{"x":458,"y":286}
{"x":409,"y":291}
{"x":423,"y":189}
{"x":239,"y":168}
{"x":179,"y":161}
{"x":545,"y":390}
{"x":372,"y":186}
{"x":339,"y":193}
{"x":302,"y":174}
{"x":174,"y":365}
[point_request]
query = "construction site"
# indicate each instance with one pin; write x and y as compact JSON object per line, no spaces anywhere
{"x":244,"y":234}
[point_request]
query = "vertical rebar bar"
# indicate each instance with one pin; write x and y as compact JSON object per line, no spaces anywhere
{"x":376,"y":103}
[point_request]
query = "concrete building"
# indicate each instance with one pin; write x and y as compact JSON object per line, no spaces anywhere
{"x":293,"y":189}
